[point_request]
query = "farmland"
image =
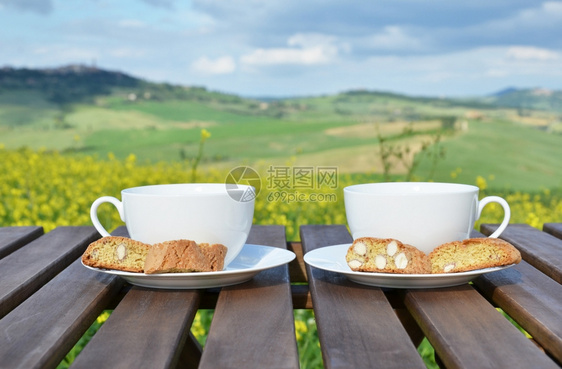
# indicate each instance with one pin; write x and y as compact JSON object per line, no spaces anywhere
{"x":513,"y":148}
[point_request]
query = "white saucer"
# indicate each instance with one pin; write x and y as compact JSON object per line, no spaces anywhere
{"x":332,"y":258}
{"x":251,"y":260}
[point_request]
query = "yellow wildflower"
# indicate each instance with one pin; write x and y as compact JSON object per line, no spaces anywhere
{"x":103,"y":317}
{"x":205,"y":134}
{"x":481,"y":183}
{"x":300,"y":329}
{"x":197,"y":327}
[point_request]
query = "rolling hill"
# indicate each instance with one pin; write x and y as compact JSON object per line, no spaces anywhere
{"x":512,"y":137}
{"x":529,"y":98}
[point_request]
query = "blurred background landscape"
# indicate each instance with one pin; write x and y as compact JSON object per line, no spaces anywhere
{"x":511,"y":138}
{"x":467,"y":91}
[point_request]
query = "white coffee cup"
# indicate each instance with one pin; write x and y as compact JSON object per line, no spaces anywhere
{"x":422,"y":214}
{"x":203,"y":212}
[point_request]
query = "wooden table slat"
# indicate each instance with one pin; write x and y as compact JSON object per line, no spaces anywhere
{"x":25,"y":270}
{"x":253,"y":324}
{"x":48,"y":299}
{"x":40,"y":332}
{"x":467,"y":332}
{"x":530,"y":298}
{"x":554,"y":229}
{"x":190,"y":356}
{"x":148,"y":329}
{"x":540,"y":249}
{"x":357,"y":326}
{"x":12,"y":238}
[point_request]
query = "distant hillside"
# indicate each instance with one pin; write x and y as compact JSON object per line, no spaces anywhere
{"x":79,"y":83}
{"x":66,"y":84}
{"x":530,"y":98}
{"x":505,"y":91}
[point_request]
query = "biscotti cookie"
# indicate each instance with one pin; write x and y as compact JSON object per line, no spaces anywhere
{"x":215,"y":254}
{"x":120,"y":253}
{"x":183,"y":256}
{"x":386,"y":255}
{"x":473,"y":254}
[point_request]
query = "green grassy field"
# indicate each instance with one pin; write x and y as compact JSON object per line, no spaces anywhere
{"x":509,"y":150}
{"x":512,"y":156}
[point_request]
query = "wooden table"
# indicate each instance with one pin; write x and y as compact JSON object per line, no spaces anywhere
{"x":48,"y":300}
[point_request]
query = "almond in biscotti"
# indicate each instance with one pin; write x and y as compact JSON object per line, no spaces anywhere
{"x":355,"y":264}
{"x":401,"y":261}
{"x":380,"y":261}
{"x":386,"y":255}
{"x":391,"y":248}
{"x":449,"y":267}
{"x":121,"y":252}
{"x":360,"y":249}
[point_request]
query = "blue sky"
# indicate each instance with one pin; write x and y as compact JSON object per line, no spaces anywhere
{"x":296,"y":47}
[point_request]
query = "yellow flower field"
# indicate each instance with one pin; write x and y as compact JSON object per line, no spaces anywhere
{"x":51,"y":189}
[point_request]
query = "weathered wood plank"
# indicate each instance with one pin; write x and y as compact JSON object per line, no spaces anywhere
{"x":357,"y":326}
{"x":530,"y":298}
{"x":554,"y":229}
{"x":540,"y":249}
{"x":40,"y":332}
{"x":12,"y":238}
{"x":297,"y":267}
{"x":467,"y":332}
{"x":299,"y":292}
{"x":24,"y":271}
{"x":253,"y":325}
{"x":190,"y":355}
{"x":148,"y":329}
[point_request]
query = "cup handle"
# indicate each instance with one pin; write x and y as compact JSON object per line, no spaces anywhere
{"x":506,"y":210}
{"x":94,"y":212}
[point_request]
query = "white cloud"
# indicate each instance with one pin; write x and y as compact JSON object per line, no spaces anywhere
{"x":550,"y":10}
{"x":305,"y":49}
{"x":393,"y":38}
{"x":307,"y":40}
{"x":531,"y":53}
{"x":221,"y":65}
{"x":546,"y":15}
{"x":470,"y":66}
{"x":297,"y":47}
{"x":553,"y":7}
{"x":309,"y":56}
